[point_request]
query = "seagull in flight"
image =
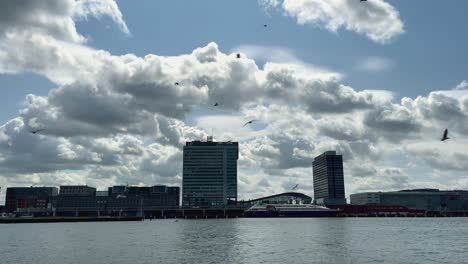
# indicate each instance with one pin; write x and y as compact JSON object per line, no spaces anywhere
{"x":35,"y":131}
{"x":295,"y":187}
{"x":176,"y":83}
{"x":445,"y":136}
{"x":250,"y":122}
{"x":216,"y":104}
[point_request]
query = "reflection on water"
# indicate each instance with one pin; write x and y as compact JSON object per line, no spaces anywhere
{"x":312,"y":240}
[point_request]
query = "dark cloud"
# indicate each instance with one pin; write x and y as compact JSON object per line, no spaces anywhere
{"x":392,"y":122}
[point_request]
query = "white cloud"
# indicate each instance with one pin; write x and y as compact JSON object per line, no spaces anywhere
{"x":41,"y":37}
{"x":377,"y":20}
{"x":113,"y":119}
{"x":462,"y":86}
{"x":374,"y":64}
{"x":98,"y":8}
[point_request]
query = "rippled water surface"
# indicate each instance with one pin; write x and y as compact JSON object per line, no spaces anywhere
{"x":293,"y":240}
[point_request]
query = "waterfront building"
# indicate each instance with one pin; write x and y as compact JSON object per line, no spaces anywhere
{"x":328,"y":179}
{"x":366,"y":198}
{"x":130,"y":200}
{"x":145,"y":196}
{"x":282,"y":198}
{"x":29,"y":198}
{"x":210,"y":173}
{"x":420,"y":199}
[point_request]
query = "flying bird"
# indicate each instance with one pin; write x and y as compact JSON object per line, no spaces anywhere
{"x":35,"y":131}
{"x":295,"y":187}
{"x":238,"y":55}
{"x":265,"y":25}
{"x":445,"y":136}
{"x":250,"y":122}
{"x":216,"y":104}
{"x":176,"y":83}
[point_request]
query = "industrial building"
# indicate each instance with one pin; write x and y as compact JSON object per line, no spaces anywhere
{"x":328,"y":179}
{"x":209,"y":173}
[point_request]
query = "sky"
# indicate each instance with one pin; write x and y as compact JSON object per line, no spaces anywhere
{"x":377,"y":81}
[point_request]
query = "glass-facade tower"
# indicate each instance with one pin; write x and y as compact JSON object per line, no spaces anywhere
{"x":329,"y":179}
{"x":209,"y":173}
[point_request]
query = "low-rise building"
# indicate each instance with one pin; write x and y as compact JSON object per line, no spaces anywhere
{"x":128,"y":200}
{"x":29,"y":198}
{"x":420,"y":199}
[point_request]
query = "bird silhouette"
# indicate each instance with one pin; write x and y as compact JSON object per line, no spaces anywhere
{"x":176,"y":83}
{"x":265,"y":25}
{"x":35,"y":131}
{"x":238,"y":55}
{"x":250,"y":122}
{"x":445,"y":136}
{"x":216,"y":104}
{"x":295,"y":187}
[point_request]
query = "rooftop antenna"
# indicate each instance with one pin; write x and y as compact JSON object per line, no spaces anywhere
{"x":210,"y":138}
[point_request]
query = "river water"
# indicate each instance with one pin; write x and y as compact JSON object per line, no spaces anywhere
{"x":288,"y":240}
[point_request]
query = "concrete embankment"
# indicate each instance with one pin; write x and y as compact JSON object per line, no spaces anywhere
{"x":27,"y":220}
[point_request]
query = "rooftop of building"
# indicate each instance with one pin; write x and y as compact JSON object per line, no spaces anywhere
{"x":292,"y":194}
{"x":414,"y":191}
{"x":31,"y":187}
{"x":328,"y":153}
{"x":76,"y":186}
{"x":211,"y":143}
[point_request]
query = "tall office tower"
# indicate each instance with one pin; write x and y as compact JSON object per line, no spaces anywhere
{"x":210,"y":173}
{"x":329,"y":179}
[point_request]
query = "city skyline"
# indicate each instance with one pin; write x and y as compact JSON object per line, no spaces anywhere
{"x":101,"y":93}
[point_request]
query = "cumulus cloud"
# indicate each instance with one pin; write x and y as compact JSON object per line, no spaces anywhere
{"x":41,"y":37}
{"x":377,"y":20}
{"x":114,"y":119}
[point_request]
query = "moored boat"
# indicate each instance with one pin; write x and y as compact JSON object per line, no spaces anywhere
{"x":290,"y":210}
